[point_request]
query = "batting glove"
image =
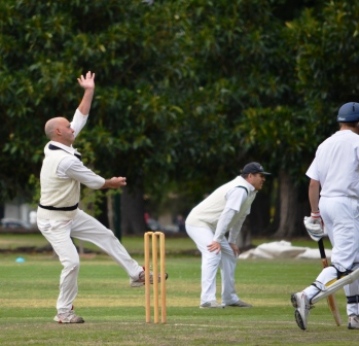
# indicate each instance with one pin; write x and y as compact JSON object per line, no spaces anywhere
{"x":316,"y":218}
{"x":314,"y":226}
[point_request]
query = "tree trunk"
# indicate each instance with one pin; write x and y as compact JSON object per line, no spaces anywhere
{"x":132,"y":211}
{"x":288,"y":207}
{"x":244,"y":241}
{"x":260,"y":215}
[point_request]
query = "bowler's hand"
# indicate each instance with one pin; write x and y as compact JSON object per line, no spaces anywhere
{"x":118,"y":182}
{"x":87,"y":81}
{"x":114,"y":183}
{"x":214,"y":247}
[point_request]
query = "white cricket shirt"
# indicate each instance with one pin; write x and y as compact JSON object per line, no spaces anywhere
{"x":336,"y":165}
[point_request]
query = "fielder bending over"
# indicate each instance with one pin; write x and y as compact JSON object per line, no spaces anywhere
{"x":222,"y":211}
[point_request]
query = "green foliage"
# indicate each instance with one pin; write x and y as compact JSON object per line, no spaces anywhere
{"x":187,"y":91}
{"x":326,"y":61}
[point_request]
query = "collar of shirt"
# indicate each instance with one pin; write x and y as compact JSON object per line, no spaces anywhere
{"x":70,"y":150}
{"x":249,"y":186}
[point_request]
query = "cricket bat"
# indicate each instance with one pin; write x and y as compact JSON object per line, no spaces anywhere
{"x":332,"y":303}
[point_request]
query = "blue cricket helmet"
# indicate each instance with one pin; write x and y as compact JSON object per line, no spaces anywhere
{"x":348,"y":113}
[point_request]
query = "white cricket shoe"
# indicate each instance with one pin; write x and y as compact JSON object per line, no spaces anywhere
{"x":211,"y":305}
{"x":68,"y":317}
{"x":140,"y":281}
{"x":302,"y":306}
{"x":353,"y":322}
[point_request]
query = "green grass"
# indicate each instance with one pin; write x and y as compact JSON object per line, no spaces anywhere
{"x":115,"y":314}
{"x":134,"y":244}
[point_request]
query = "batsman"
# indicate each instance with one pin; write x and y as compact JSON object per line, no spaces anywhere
{"x":334,"y":200}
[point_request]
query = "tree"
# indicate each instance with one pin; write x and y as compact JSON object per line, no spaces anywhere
{"x":187,"y":92}
{"x":326,"y":51}
{"x":247,"y":51}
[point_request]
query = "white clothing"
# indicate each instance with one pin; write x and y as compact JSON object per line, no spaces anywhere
{"x":237,"y":195}
{"x":72,"y":167}
{"x":336,"y":167}
{"x":58,"y":226}
{"x":226,"y":260}
{"x":341,"y":218}
{"x":84,"y":227}
{"x":222,"y":211}
{"x":56,"y":192}
{"x":78,"y":122}
{"x":60,"y":177}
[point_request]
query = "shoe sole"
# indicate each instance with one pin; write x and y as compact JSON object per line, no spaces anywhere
{"x":297,"y":315}
{"x":56,"y":319}
{"x":137,"y":284}
{"x":299,"y":320}
{"x":77,"y":322}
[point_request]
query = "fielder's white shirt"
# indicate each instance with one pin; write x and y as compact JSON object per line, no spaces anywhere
{"x":336,"y":165}
{"x":225,"y":209}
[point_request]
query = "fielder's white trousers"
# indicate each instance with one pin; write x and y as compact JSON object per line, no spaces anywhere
{"x":225,"y":260}
{"x":86,"y":228}
{"x":341,"y":218}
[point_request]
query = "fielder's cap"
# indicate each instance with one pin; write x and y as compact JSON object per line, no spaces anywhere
{"x":254,"y":167}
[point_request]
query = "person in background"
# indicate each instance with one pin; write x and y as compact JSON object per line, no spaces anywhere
{"x":180,"y":221}
{"x":223,"y":210}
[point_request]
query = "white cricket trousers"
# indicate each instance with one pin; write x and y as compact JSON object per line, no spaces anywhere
{"x":86,"y":228}
{"x":341,"y":218}
{"x":225,"y":259}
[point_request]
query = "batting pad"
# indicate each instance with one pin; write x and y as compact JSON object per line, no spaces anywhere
{"x":348,"y":279}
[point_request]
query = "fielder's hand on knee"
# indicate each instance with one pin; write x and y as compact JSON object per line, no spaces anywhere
{"x":235,"y":249}
{"x":214,"y":246}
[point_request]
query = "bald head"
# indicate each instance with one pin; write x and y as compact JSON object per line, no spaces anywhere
{"x":59,"y":129}
{"x":50,"y":127}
